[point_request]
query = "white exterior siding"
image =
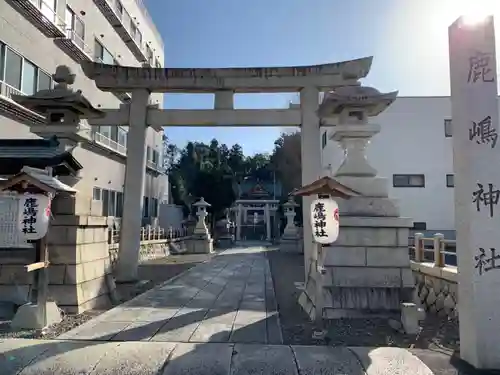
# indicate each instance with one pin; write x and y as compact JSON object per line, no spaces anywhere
{"x":412,"y":141}
{"x":103,"y":167}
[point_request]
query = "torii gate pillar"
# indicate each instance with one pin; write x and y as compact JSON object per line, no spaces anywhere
{"x":130,"y":233}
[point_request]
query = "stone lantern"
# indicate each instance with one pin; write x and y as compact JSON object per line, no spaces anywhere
{"x":201,"y":241}
{"x":373,"y":233}
{"x":290,"y":240}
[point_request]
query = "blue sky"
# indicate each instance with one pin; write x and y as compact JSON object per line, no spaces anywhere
{"x":408,"y":39}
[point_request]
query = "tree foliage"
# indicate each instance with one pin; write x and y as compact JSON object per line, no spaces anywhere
{"x":213,"y":170}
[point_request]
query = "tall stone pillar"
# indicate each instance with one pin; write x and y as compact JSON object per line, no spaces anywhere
{"x":476,"y":157}
{"x":310,"y":151}
{"x":238,"y":222}
{"x":128,"y":255}
{"x":268,"y":222}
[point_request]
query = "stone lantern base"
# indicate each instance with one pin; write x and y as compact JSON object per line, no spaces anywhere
{"x":199,"y":245}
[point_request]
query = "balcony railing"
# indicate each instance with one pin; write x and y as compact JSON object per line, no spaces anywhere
{"x":119,"y":18}
{"x":155,"y":166}
{"x":74,"y":45}
{"x":102,"y":140}
{"x":14,"y":110}
{"x":436,"y":250}
{"x":42,"y":16}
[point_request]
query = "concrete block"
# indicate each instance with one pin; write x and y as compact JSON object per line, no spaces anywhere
{"x":410,"y":318}
{"x":366,"y":186}
{"x":74,"y":254}
{"x":368,"y":206}
{"x":17,"y":294}
{"x":366,"y":277}
{"x":403,"y":234}
{"x":376,"y":222}
{"x":349,"y":236}
{"x":78,"y":204}
{"x":407,"y":278}
{"x":78,"y":273}
{"x":29,"y":316}
{"x":387,"y":257}
{"x":57,"y":273}
{"x":344,"y":256}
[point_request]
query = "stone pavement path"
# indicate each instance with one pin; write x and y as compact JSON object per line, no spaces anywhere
{"x":56,"y":357}
{"x":229,"y":299}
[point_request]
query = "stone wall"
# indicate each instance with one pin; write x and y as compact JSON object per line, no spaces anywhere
{"x":80,"y":269}
{"x":436,"y":288}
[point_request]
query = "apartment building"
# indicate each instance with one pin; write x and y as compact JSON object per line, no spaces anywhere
{"x":38,"y":35}
{"x":414,"y":151}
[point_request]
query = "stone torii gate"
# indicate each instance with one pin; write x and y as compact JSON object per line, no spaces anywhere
{"x":309,"y":81}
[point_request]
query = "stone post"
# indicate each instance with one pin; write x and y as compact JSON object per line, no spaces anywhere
{"x":476,"y":156}
{"x":310,"y":151}
{"x":239,"y":215}
{"x":128,"y":254}
{"x":290,"y":240}
{"x":267,"y":214}
{"x":201,"y":241}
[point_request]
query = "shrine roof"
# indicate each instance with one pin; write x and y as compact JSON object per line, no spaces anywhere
{"x":37,"y":153}
{"x":39,"y":178}
{"x":326,"y":186}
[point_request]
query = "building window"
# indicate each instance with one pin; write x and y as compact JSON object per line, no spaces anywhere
{"x":148,"y":153}
{"x":408,"y":180}
{"x":29,"y":80}
{"x":105,"y":202}
{"x":119,"y":204}
{"x":13,"y":68}
{"x":97,"y":194}
{"x":447,"y":128}
{"x":122,"y":137}
{"x":157,"y":63}
{"x":101,"y":54}
{"x":149,"y":54}
{"x":145,"y":207}
{"x":450,"y":180}
{"x":76,"y":25}
{"x":44,"y":81}
{"x":420,"y":225}
{"x":323,"y":139}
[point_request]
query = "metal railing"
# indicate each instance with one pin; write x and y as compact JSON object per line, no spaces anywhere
{"x":49,"y":13}
{"x":109,"y":143}
{"x":7,"y":90}
{"x":126,"y":21}
{"x":436,"y":249}
{"x":78,"y":40}
{"x":150,"y":234}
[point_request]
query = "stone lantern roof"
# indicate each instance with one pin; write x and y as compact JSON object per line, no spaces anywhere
{"x":202,"y":203}
{"x":368,"y":98}
{"x":60,"y":98}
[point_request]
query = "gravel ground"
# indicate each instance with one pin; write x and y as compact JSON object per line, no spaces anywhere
{"x":151,"y":273}
{"x":287,"y":269}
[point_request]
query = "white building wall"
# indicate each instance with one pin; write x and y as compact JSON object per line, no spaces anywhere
{"x":412,"y":141}
{"x":103,"y":167}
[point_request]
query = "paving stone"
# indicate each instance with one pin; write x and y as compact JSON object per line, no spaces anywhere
{"x":69,"y":358}
{"x":15,"y":354}
{"x":263,"y":359}
{"x":274,"y":334}
{"x":135,"y":358}
{"x":249,"y":333}
{"x":209,"y":331}
{"x":200,"y":359}
{"x":380,"y":361}
{"x":249,"y":317}
{"x":139,"y":331}
{"x":102,"y":331}
{"x":327,"y":361}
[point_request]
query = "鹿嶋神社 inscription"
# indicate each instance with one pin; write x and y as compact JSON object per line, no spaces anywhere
{"x":487,"y":260}
{"x":480,"y":69}
{"x":320,"y":220}
{"x":483,"y":132}
{"x":30,"y":213}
